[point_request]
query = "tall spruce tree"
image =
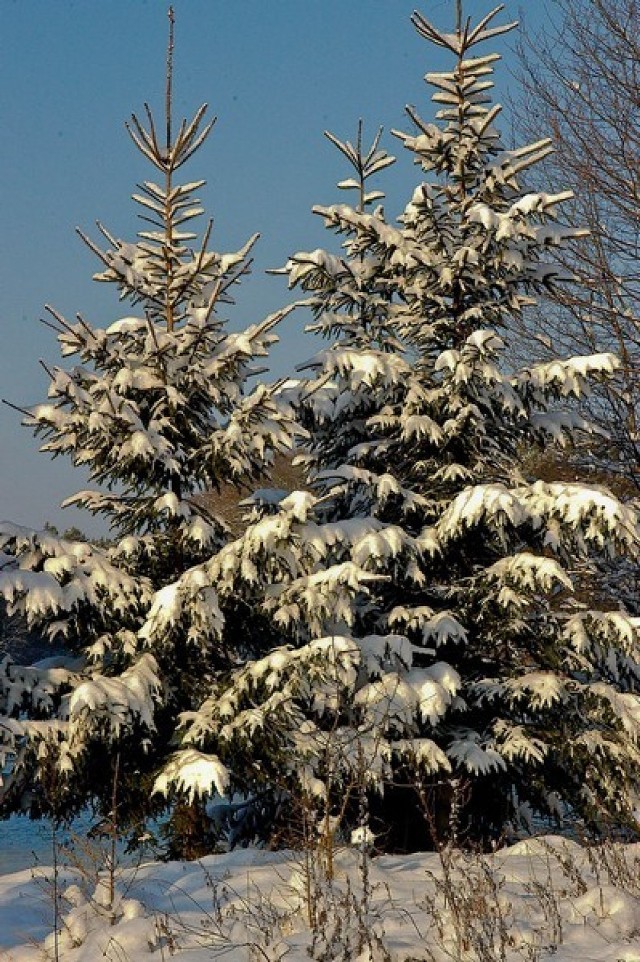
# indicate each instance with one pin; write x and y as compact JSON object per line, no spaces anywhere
{"x":428,"y":595}
{"x":159,"y":406}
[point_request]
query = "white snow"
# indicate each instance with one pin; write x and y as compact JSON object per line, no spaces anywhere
{"x":194,"y":772}
{"x":541,"y":899}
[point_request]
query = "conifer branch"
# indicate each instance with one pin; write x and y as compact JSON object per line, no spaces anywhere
{"x":106,"y":234}
{"x":46,"y":369}
{"x":61,"y":320}
{"x":84,"y":324}
{"x":93,"y":247}
{"x":152,"y":330}
{"x":199,"y":140}
{"x":17,"y":408}
{"x":51,"y":326}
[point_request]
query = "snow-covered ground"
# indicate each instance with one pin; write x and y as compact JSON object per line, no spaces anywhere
{"x":541,"y":899}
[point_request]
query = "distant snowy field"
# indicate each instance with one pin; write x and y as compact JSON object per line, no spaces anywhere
{"x":23,"y":842}
{"x":541,"y":899}
{"x":26,"y":843}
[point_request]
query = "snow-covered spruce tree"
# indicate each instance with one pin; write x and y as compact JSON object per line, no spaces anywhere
{"x":429,"y":595}
{"x":290,"y":544}
{"x":158,"y":407}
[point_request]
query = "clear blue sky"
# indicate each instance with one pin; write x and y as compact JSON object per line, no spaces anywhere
{"x":275,"y":72}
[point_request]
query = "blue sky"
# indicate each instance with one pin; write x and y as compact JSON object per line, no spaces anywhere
{"x":275,"y":72}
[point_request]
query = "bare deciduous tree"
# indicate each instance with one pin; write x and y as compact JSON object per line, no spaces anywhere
{"x":581,"y":77}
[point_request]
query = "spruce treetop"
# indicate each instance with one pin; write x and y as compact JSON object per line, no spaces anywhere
{"x":159,"y":404}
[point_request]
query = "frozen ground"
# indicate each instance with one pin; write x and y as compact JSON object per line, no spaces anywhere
{"x":542,"y":899}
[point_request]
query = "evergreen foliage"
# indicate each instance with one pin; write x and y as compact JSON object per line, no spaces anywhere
{"x":426,"y":592}
{"x":159,"y":406}
{"x":414,"y":621}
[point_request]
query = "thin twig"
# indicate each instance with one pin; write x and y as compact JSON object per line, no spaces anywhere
{"x":15,"y":407}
